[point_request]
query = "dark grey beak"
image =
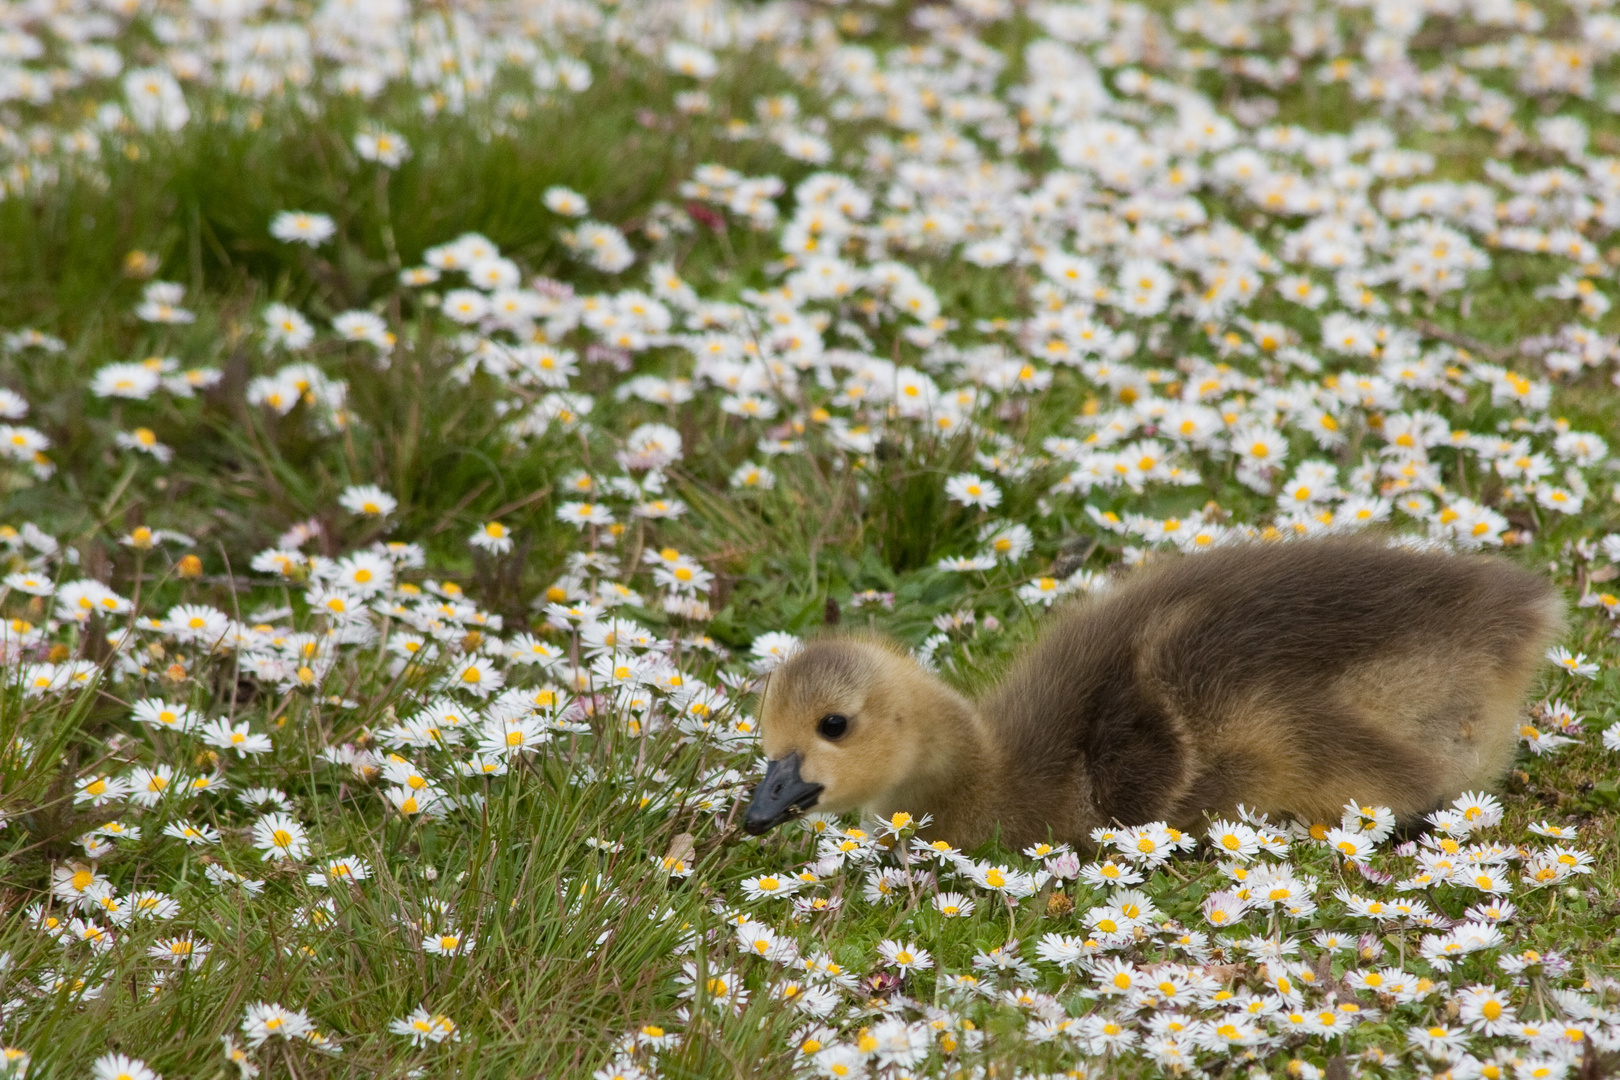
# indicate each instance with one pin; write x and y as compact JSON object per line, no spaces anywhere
{"x":781,"y":795}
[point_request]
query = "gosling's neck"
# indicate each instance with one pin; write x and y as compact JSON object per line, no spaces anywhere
{"x":958,"y":768}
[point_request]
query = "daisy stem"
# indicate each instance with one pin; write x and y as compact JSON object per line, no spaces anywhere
{"x":387,"y":220}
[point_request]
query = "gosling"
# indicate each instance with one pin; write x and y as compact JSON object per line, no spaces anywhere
{"x":1289,"y":678}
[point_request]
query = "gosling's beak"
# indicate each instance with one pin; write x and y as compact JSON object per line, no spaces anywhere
{"x":781,"y":795}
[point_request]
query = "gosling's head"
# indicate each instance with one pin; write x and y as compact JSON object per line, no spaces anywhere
{"x":844,"y":723}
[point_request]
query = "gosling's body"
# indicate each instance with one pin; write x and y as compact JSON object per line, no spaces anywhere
{"x":1289,"y":678}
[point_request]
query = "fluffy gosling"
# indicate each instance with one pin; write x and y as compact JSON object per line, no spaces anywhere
{"x":1291,"y":678}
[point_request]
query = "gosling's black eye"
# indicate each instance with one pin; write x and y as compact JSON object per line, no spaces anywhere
{"x":832,"y":726}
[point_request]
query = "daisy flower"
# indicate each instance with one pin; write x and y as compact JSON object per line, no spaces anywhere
{"x":100,"y":790}
{"x":32,"y":584}
{"x":364,"y":326}
{"x":369,"y":500}
{"x":760,"y":940}
{"x":770,"y":649}
{"x":1009,"y":543}
{"x":384,"y":147}
{"x":581,"y":514}
{"x":120,"y":1067}
{"x":689,"y":60}
{"x":148,"y":786}
{"x":192,"y":834}
{"x":1479,"y":809}
{"x":184,"y":950}
{"x":565,"y":201}
{"x":223,"y":734}
{"x":280,"y":836}
{"x":904,"y":957}
{"x":1438,"y":1041}
{"x":410,"y":801}
{"x":1148,"y":844}
{"x":245,"y":1069}
{"x":1043,"y":591}
{"x":1013,"y":884}
{"x":422,"y":1027}
{"x":1106,"y":1035}
{"x":338,"y":870}
{"x":1485,"y":1009}
{"x":133,"y":381}
{"x":492,"y":537}
{"x":1260,"y":446}
{"x":751,"y":476}
{"x":264,"y":1021}
{"x":1233,"y":840}
{"x":1574,"y":663}
{"x":301,"y":227}
{"x":757,"y":888}
{"x":1223,"y":908}
{"x":476,"y":675}
{"x":144,"y":440}
{"x":447,"y":943}
{"x":964,"y":564}
{"x":971,"y":490}
{"x":1557,"y":832}
{"x":1110,"y":872}
{"x":465,"y":306}
{"x":1486,"y":879}
{"x":286,"y":327}
{"x":1353,"y":847}
{"x":363,"y":573}
{"x":1541,"y":742}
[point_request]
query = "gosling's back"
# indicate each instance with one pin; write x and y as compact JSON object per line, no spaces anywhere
{"x":1290,"y":677}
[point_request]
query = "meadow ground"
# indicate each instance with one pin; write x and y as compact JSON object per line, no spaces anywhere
{"x":421,"y":425}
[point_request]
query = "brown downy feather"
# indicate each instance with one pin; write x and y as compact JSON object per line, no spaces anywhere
{"x":1290,"y":678}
